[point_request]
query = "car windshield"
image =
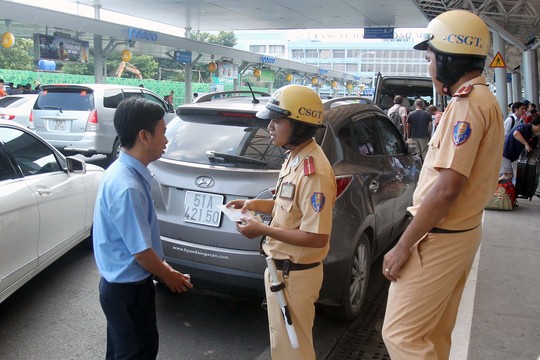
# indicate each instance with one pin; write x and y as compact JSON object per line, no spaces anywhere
{"x":231,"y":141}
{"x":66,"y":99}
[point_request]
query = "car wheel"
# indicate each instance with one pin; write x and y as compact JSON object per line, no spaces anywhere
{"x":115,"y":150}
{"x":355,"y":295}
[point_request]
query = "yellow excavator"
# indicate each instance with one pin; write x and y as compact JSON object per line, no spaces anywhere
{"x":124,"y":65}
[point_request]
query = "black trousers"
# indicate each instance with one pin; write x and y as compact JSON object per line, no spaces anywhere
{"x":130,"y":310}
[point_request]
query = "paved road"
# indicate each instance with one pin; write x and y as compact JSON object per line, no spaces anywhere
{"x":57,"y":316}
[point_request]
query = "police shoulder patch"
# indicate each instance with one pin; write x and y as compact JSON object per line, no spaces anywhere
{"x":464,"y":91}
{"x":317,"y":201}
{"x":462,"y":132}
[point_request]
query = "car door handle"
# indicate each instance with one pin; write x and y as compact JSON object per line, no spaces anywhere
{"x":44,"y":191}
{"x":399,"y":177}
{"x":374,"y":186}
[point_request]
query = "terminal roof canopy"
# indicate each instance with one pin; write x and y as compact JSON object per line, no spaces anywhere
{"x":519,"y":18}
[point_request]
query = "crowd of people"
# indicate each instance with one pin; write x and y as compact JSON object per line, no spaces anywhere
{"x":10,"y":88}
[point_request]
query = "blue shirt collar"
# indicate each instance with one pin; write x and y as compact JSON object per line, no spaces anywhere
{"x":137,"y":165}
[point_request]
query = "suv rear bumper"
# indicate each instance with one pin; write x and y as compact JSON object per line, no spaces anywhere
{"x":90,"y":144}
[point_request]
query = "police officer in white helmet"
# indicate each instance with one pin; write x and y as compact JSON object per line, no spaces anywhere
{"x":298,"y":236}
{"x":429,"y":265}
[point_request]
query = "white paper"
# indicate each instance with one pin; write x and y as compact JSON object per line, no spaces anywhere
{"x":236,"y":214}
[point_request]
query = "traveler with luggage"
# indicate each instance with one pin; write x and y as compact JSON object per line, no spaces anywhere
{"x":515,"y":142}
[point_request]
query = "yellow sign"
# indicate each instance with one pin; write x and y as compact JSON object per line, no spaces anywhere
{"x":498,"y":61}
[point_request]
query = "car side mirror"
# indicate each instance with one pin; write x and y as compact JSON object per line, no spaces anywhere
{"x":76,"y":166}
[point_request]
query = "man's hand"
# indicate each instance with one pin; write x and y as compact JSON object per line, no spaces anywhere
{"x":251,"y":228}
{"x":394,"y":261}
{"x":177,"y":282}
{"x":238,"y":204}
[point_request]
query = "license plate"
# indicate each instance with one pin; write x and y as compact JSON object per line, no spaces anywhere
{"x":59,"y":125}
{"x":201,"y":208}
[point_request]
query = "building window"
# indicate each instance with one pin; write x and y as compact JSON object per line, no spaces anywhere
{"x":326,"y":54}
{"x":297,"y":54}
{"x":339,"y":54}
{"x":258,"y":49}
{"x":276,"y":49}
{"x":313,"y":54}
{"x":353,"y":53}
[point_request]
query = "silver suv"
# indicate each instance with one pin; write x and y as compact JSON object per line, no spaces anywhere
{"x":219,"y":150}
{"x":79,"y":118}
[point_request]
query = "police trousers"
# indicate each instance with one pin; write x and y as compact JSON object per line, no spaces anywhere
{"x":422,"y":305}
{"x":130,"y":310}
{"x":301,"y":291}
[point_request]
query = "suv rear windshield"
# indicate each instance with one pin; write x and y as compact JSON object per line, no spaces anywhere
{"x":223,"y":140}
{"x":65,"y":99}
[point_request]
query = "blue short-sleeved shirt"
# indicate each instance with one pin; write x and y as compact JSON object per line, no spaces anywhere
{"x":125,"y":221}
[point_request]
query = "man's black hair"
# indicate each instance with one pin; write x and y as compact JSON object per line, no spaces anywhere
{"x":517,"y":105}
{"x":536,"y":120}
{"x":133,"y":115}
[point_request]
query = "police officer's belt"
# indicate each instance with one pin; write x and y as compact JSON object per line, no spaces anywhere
{"x":437,"y":230}
{"x":288,"y":265}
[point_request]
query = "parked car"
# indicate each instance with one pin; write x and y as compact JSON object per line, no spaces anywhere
{"x":218,"y":151}
{"x":17,"y":108}
{"x":80,"y":118}
{"x":46,"y":204}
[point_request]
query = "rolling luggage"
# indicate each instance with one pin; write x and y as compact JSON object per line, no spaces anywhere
{"x":527,"y":174}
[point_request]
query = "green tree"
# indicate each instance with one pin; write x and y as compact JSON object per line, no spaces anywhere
{"x":19,"y":57}
{"x":77,"y":68}
{"x":225,"y":38}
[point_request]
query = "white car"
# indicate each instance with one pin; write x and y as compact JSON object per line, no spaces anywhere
{"x":17,"y":108}
{"x":46,"y":204}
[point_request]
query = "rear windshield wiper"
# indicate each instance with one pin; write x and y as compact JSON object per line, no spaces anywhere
{"x":218,"y":156}
{"x":53,"y":107}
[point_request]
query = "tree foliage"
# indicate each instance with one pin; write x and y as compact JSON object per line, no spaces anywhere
{"x":19,"y":57}
{"x":146,"y":64}
{"x":225,"y":38}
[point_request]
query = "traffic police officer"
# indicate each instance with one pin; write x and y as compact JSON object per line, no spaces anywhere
{"x":298,"y":235}
{"x":429,"y":265}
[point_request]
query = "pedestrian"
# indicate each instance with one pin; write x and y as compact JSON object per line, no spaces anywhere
{"x":521,"y":137}
{"x":298,"y":236}
{"x":429,"y":265}
{"x":419,"y":126}
{"x":127,"y":244}
{"x":513,"y":119}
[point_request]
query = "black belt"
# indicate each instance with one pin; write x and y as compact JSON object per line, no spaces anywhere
{"x":141,"y":282}
{"x":437,"y":230}
{"x":288,"y":265}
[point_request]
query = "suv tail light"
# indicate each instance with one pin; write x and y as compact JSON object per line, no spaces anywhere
{"x":7,"y":117}
{"x":342,"y":183}
{"x":92,"y":122}
{"x":31,"y":121}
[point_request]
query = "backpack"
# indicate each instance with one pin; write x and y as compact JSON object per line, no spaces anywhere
{"x":504,"y":197}
{"x":396,"y":119}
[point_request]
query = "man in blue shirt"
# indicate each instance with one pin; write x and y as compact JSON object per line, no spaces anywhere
{"x":127,"y":244}
{"x":517,"y":140}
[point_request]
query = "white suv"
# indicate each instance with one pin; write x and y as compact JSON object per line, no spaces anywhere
{"x":80,"y":118}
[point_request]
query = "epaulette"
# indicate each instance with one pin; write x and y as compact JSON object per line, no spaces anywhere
{"x":309,"y":166}
{"x":464,"y":91}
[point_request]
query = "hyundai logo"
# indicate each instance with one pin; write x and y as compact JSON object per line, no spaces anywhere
{"x":204,"y":182}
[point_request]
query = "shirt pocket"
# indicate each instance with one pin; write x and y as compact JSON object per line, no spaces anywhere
{"x":284,"y":215}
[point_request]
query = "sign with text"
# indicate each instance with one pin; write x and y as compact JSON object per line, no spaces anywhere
{"x":61,"y":48}
{"x":227,"y":70}
{"x":378,"y":33}
{"x":183,"y":56}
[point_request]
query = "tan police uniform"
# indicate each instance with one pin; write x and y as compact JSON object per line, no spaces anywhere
{"x":423,"y":303}
{"x":305,"y":197}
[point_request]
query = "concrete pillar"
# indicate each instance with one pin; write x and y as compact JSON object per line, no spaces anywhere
{"x":530,"y":75}
{"x":500,"y":73}
{"x":188,"y":92}
{"x":99,"y":61}
{"x":516,"y":87}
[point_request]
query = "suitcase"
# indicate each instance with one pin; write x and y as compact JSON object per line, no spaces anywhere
{"x":527,"y":174}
